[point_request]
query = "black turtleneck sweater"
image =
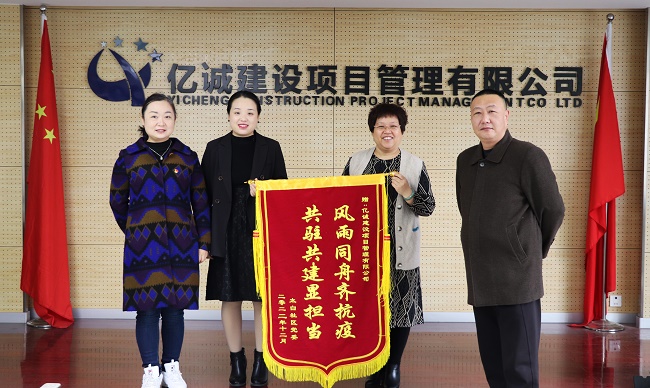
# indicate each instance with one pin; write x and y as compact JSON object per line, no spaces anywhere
{"x":160,"y":148}
{"x":243,"y":149}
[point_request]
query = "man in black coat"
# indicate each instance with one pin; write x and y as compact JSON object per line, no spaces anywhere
{"x":511,"y":209}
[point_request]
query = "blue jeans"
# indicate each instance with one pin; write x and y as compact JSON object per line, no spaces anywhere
{"x":147,"y":334}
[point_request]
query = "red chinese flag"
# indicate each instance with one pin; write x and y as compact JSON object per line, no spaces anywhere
{"x":607,"y":183}
{"x":45,"y":275}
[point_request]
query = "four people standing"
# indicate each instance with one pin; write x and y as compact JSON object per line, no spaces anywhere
{"x":230,"y":163}
{"x":506,"y":191}
{"x":511,"y":209}
{"x":159,"y":201}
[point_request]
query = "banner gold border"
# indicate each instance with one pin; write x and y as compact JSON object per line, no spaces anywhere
{"x":261,"y":251}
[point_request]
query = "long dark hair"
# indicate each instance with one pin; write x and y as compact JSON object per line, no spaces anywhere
{"x":153,"y":98}
{"x":244,"y":94}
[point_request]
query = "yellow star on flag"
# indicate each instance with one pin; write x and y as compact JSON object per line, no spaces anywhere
{"x":50,"y":135}
{"x":41,"y":111}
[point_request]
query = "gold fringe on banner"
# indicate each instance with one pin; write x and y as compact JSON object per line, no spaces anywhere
{"x":258,"y":260}
{"x":306,"y":373}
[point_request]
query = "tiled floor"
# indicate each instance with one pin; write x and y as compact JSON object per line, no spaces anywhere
{"x":103,"y":353}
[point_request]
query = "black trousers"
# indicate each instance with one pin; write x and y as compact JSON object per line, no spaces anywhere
{"x":508,"y":341}
{"x":398,"y":338}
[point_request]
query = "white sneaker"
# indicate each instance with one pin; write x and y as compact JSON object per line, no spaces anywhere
{"x":172,"y":376}
{"x":152,"y":377}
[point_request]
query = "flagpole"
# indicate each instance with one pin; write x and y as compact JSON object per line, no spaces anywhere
{"x":603,"y":325}
{"x":39,"y":323}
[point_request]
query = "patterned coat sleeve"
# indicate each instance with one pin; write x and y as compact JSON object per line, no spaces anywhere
{"x":201,"y":205}
{"x":119,"y":194}
{"x":423,"y":201}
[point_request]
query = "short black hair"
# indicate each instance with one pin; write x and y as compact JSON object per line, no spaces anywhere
{"x":387,"y":110}
{"x":491,"y":91}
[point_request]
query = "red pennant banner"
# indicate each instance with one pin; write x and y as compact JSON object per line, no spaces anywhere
{"x":322,"y":257}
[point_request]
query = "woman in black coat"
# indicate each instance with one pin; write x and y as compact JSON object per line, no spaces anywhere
{"x":229,"y":162}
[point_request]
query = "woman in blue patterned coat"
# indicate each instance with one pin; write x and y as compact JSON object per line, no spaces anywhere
{"x":159,"y":200}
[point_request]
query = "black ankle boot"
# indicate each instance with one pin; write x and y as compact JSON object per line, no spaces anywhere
{"x":238,"y":369}
{"x":375,"y":380}
{"x":260,"y":375}
{"x":391,"y":376}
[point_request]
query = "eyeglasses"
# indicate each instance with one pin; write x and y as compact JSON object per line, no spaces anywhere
{"x":391,"y":127}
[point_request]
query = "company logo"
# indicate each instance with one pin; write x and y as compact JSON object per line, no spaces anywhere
{"x":132,"y":86}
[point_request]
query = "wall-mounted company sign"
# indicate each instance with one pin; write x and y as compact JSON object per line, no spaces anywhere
{"x":333,"y":85}
{"x":433,"y":86}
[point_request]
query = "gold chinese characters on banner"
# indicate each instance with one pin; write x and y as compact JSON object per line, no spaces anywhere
{"x":322,"y":269}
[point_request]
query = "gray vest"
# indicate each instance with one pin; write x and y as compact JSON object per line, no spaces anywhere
{"x":407,"y":223}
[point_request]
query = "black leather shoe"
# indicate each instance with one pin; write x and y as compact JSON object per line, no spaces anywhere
{"x":260,"y":375}
{"x":391,"y":376}
{"x":376,"y":379}
{"x":238,"y":369}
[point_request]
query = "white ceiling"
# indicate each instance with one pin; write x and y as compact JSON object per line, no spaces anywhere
{"x":502,"y":4}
